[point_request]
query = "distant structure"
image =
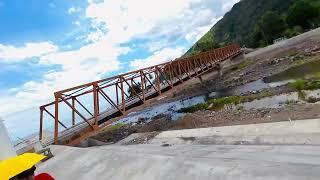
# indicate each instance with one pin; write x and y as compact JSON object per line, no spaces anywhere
{"x":279,"y":40}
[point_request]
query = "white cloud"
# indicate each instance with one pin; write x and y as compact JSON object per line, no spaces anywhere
{"x":226,"y":6}
{"x":77,"y":23}
{"x":73,"y":10}
{"x":11,"y":54}
{"x":162,"y":56}
{"x":157,"y":45}
{"x":127,"y":19}
{"x":194,"y":35}
{"x":79,"y":66}
{"x":124,"y":20}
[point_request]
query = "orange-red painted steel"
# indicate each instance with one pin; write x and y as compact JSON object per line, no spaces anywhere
{"x":151,"y":81}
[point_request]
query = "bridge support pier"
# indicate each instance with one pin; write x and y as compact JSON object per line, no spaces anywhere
{"x":200,"y":78}
{"x":220,"y":69}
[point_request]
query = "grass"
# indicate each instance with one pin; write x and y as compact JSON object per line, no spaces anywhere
{"x":242,"y":65}
{"x":312,"y":83}
{"x":298,"y":85}
{"x":302,"y":95}
{"x":113,"y":127}
{"x":213,"y":104}
{"x":194,"y":108}
{"x":293,"y":53}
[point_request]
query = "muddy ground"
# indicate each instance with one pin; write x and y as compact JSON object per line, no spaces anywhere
{"x":246,"y":68}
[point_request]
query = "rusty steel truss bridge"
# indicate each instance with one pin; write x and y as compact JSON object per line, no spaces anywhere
{"x":78,"y":111}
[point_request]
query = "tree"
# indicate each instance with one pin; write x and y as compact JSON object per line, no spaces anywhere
{"x":290,"y":32}
{"x":256,"y":37}
{"x":301,"y":14}
{"x":269,"y":27}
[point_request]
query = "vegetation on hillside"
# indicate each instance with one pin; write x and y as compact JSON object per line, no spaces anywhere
{"x":254,"y":23}
{"x":301,"y":16}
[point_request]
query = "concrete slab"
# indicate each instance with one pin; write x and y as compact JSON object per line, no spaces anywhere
{"x":190,"y":161}
{"x":185,"y":162}
{"x":302,"y":132}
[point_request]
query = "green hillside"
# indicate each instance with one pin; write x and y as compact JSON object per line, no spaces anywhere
{"x":245,"y":23}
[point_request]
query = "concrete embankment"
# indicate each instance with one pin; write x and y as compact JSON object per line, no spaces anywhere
{"x":164,"y":157}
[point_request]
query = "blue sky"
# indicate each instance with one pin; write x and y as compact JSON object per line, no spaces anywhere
{"x":49,"y":45}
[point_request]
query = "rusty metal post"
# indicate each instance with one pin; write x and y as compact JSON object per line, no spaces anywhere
{"x":179,"y":68}
{"x":142,"y":86}
{"x":170,"y":75}
{"x":195,"y":67}
{"x":223,"y":54}
{"x":188,"y":66}
{"x":73,"y":113}
{"x":41,"y":123}
{"x":98,"y":107}
{"x":131,"y":84}
{"x":56,"y":117}
{"x":145,"y":81}
{"x":122,"y":95}
{"x":117,"y":94}
{"x":158,"y":80}
{"x":214,"y":54}
{"x":95,"y":104}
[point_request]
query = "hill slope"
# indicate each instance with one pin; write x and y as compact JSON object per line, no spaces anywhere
{"x":238,"y":24}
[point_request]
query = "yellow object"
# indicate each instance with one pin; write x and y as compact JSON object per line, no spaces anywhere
{"x":16,"y":165}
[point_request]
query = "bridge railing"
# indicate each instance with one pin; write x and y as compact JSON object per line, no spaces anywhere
{"x":87,"y":106}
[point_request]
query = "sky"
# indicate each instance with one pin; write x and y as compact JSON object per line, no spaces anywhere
{"x":50,"y":45}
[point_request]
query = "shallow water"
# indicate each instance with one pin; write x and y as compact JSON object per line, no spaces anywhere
{"x":166,"y":108}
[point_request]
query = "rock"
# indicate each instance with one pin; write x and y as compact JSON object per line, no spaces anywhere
{"x":165,"y":145}
{"x":210,"y":106}
{"x":141,"y":120}
{"x":316,"y":48}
